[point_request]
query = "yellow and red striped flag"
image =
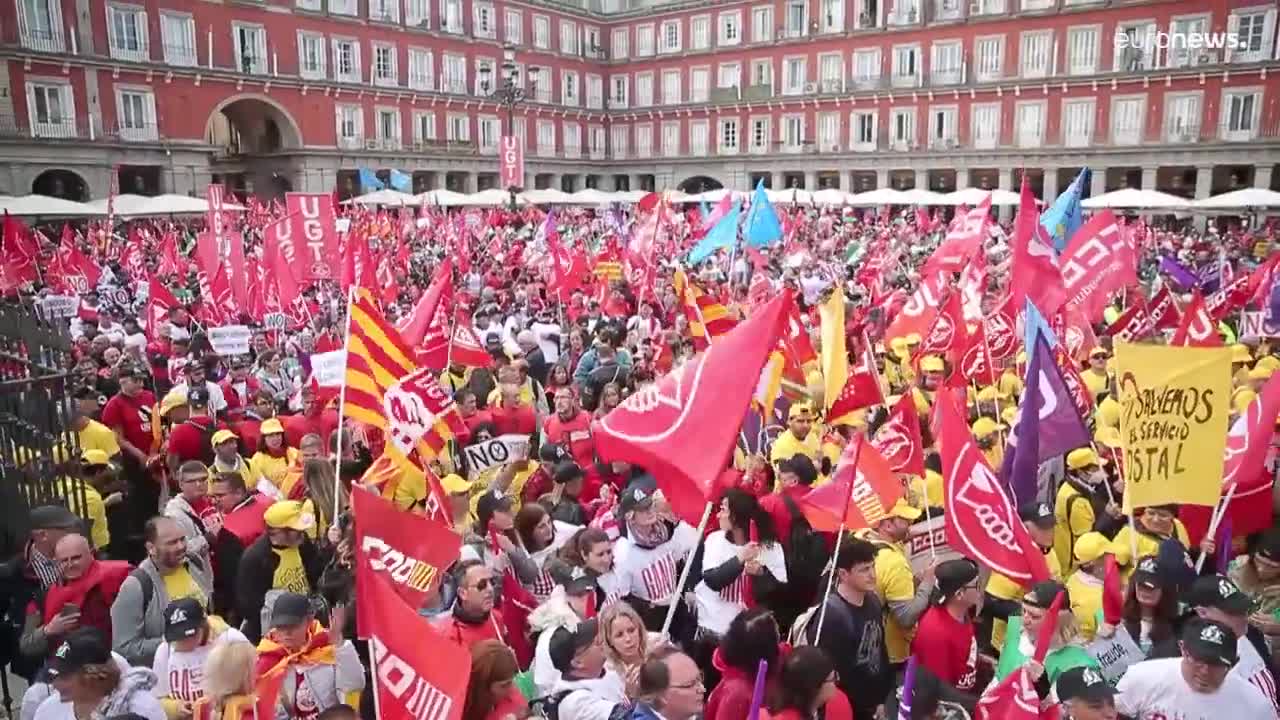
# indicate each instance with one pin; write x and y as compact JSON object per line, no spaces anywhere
{"x":707,"y":317}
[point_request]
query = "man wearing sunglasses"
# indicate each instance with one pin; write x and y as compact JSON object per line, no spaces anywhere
{"x":473,"y":618}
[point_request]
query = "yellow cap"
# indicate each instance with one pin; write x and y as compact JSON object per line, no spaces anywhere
{"x":989,"y":394}
{"x":175,"y":398}
{"x":985,"y":427}
{"x":1271,"y":362}
{"x":271,"y":426}
{"x":454,"y":484}
{"x":1009,"y":414}
{"x":1241,"y":354}
{"x":222,"y":436}
{"x":1108,"y":437}
{"x":1091,"y":546}
{"x":799,"y":409}
{"x":902,"y":509}
{"x":913,"y":339}
{"x":1260,"y":373}
{"x":96,"y":457}
{"x":1022,"y":357}
{"x":1082,"y":458}
{"x":898,"y":344}
{"x":288,"y":514}
{"x":932,"y":363}
{"x":1098,"y":351}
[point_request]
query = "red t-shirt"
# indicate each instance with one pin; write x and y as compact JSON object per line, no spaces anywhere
{"x":576,"y":433}
{"x":132,"y":416}
{"x":190,"y":440}
{"x":298,"y":426}
{"x":518,"y":420}
{"x":947,"y":647}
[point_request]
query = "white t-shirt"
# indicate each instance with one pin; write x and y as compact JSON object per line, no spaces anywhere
{"x":140,"y":703}
{"x":181,"y":674}
{"x":591,"y":699}
{"x":716,"y":609}
{"x":650,"y":573}
{"x":1155,"y":690}
{"x":217,"y":401}
{"x":1253,"y":670}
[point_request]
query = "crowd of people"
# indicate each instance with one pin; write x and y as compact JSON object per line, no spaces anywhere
{"x":215,"y":546}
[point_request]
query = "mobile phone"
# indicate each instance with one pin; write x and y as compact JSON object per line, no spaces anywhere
{"x":69,"y":610}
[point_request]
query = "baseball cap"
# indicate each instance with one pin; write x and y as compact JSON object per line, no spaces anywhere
{"x":288,"y":514}
{"x":931,"y":363}
{"x":1037,"y":513}
{"x":198,"y":396}
{"x":1041,"y":595}
{"x":95,"y":457}
{"x":291,"y":609}
{"x":985,"y":427}
{"x":1091,"y":546}
{"x":128,"y":370}
{"x":173,"y":399}
{"x":1082,"y":458}
{"x":566,"y":472}
{"x":552,"y":453}
{"x":566,"y":644}
{"x":53,"y":517}
{"x":1098,"y":352}
{"x":635,"y":497}
{"x":492,"y":501}
{"x":81,"y":647}
{"x":454,"y":484}
{"x":1148,"y":572}
{"x":574,"y":580}
{"x":222,"y":436}
{"x":271,"y":426}
{"x":1268,"y":545}
{"x":1210,"y":642}
{"x":1083,"y":683}
{"x":951,"y":575}
{"x":1217,"y":591}
{"x":903,"y":509}
{"x":798,"y":410}
{"x":182,"y":619}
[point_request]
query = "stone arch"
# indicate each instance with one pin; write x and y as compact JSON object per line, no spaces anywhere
{"x":252,"y":124}
{"x":699,"y":184}
{"x":61,"y":183}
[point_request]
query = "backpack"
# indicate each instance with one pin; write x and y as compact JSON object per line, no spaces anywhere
{"x":149,"y":584}
{"x":206,"y":440}
{"x":799,"y":634}
{"x":549,"y":707}
{"x":807,"y":555}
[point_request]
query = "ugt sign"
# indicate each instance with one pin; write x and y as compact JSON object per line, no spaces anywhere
{"x":510,"y":162}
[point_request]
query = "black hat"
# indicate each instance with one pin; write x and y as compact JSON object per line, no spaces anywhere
{"x":1037,"y":513}
{"x":1148,"y":573}
{"x":1217,"y":591}
{"x":492,"y":501}
{"x":566,"y":472}
{"x":1084,"y":683}
{"x":635,"y":497}
{"x":128,"y":370}
{"x":291,"y":609}
{"x":1268,"y":545}
{"x":566,"y":644}
{"x":801,"y":466}
{"x":952,"y":575}
{"x":198,"y":396}
{"x":85,"y":646}
{"x":1041,"y":595}
{"x":183,"y":618}
{"x":54,"y":517}
{"x":1210,"y":642}
{"x":574,"y":580}
{"x":552,"y":453}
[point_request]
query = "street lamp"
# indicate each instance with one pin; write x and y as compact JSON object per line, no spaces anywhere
{"x":508,"y":93}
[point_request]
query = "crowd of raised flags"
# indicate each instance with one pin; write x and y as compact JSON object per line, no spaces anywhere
{"x":918,"y":401}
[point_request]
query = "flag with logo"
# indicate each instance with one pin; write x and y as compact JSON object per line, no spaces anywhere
{"x":1098,"y":262}
{"x":862,"y":491}
{"x":1198,"y":328}
{"x":899,"y":440}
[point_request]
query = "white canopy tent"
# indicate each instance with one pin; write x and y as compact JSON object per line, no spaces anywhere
{"x":879,"y":196}
{"x":711,"y":197}
{"x":974,"y":197}
{"x":630,"y":196}
{"x":546,"y":196}
{"x":43,"y":205}
{"x":440,"y":198}
{"x":141,"y":206}
{"x":493,"y":197}
{"x":919,"y":196}
{"x":831,"y":196}
{"x":394,"y":198}
{"x":793,"y":195}
{"x":1134,"y":199}
{"x":592,"y":196}
{"x":1240,"y":199}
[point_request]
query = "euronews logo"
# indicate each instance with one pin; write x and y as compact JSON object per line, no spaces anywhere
{"x":1162,"y":40}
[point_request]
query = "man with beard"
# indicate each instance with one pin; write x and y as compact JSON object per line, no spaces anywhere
{"x":648,"y":554}
{"x":284,"y":560}
{"x":904,"y":600}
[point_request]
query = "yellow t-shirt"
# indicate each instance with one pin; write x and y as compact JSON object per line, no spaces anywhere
{"x":928,"y":491}
{"x":290,"y":574}
{"x":1067,"y":530}
{"x":1010,"y":384}
{"x":93,"y":512}
{"x":179,"y":584}
{"x":1108,"y":413}
{"x":894,"y":583}
{"x":1122,"y":547}
{"x":788,"y":446}
{"x":271,"y":467}
{"x":96,"y":436}
{"x":1096,"y":381}
{"x":1086,"y":602}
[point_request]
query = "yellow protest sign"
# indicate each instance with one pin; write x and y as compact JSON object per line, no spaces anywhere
{"x":1174,"y":403}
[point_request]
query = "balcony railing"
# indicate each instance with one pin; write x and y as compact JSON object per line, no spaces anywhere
{"x":947,"y":10}
{"x":130,"y":54}
{"x":179,"y":55}
{"x":147,"y":132}
{"x":43,"y":40}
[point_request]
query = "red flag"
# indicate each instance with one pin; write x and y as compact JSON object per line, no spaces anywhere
{"x":410,"y":550}
{"x":421,"y":674}
{"x":947,"y":336}
{"x":428,"y":322}
{"x":898,"y":439}
{"x":517,"y":603}
{"x":921,"y":308}
{"x":673,"y":428}
{"x":279,"y":260}
{"x":981,"y":521}
{"x":19,"y":254}
{"x":976,"y":364}
{"x":357,"y":264}
{"x":1000,"y":330}
{"x":1112,"y":593}
{"x":1134,"y":324}
{"x":861,"y":493}
{"x":1015,"y":698}
{"x":159,"y":300}
{"x":795,"y":338}
{"x":1098,"y":262}
{"x":1035,"y":273}
{"x":314,"y":224}
{"x":861,"y":389}
{"x":964,"y":239}
{"x":1198,"y":328}
{"x":1161,"y":311}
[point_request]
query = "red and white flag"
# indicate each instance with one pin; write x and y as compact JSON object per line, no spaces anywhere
{"x":899,"y":440}
{"x":1134,"y":324}
{"x":1035,"y":272}
{"x":1161,"y":310}
{"x":917,"y":315}
{"x":975,"y":363}
{"x":1098,"y":262}
{"x":861,"y":493}
{"x":1198,"y":328}
{"x":428,"y":322}
{"x":964,"y":239}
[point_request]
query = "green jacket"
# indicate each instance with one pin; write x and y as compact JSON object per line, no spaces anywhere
{"x":1064,"y":658}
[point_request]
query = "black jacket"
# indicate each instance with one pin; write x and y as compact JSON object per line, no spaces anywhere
{"x":255,"y":575}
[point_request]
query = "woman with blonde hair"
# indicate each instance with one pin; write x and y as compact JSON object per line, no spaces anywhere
{"x":319,"y":478}
{"x":1066,"y":648}
{"x":626,"y":643}
{"x":228,"y":684}
{"x":492,"y":693}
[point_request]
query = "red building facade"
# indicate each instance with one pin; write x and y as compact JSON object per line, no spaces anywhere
{"x":274,"y":95}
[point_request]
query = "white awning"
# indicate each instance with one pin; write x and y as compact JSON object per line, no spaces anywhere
{"x":1134,"y":199}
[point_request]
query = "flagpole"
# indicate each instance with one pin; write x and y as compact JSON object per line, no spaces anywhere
{"x":676,"y":598}
{"x":1218,"y":513}
{"x":831,"y":576}
{"x":342,"y":399}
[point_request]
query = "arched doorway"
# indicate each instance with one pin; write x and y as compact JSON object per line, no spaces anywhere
{"x":252,"y":125}
{"x":699,"y":184}
{"x":60,"y":183}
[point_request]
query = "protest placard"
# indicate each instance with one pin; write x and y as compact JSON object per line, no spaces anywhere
{"x":328,"y":368}
{"x":1256,"y":324}
{"x":925,"y":534}
{"x":1173,"y":422}
{"x":230,"y":339}
{"x":1115,"y":654}
{"x":499,"y":451}
{"x":56,"y":307}
{"x":275,"y":321}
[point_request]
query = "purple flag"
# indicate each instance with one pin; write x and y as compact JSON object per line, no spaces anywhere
{"x":1223,"y":542}
{"x":1179,"y":273}
{"x":908,"y":689}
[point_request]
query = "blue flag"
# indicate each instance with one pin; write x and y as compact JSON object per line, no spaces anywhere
{"x":721,"y":235}
{"x":704,"y":209}
{"x":762,"y":225}
{"x":1065,"y":216}
{"x":369,"y":181}
{"x":401,"y":181}
{"x":1034,"y":323}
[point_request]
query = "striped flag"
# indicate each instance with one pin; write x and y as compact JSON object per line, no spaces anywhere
{"x":707,"y":317}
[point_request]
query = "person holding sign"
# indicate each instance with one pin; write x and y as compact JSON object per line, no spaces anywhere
{"x":1152,"y":525}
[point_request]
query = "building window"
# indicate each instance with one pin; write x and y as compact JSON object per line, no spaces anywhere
{"x":595,"y":92}
{"x":421,"y":70}
{"x":762,"y":24}
{"x":699,"y":135}
{"x":671,"y":139}
{"x":1077,"y":123}
{"x":569,"y":88}
{"x":644,"y":141}
{"x":1036,"y":50}
{"x":568,"y":37}
{"x":51,"y":109}
{"x":485,"y":68}
{"x":862,"y":130}
{"x":671,"y":90}
{"x":644,"y":89}
{"x":572,"y":139}
{"x":794,"y":75}
{"x":136,"y":114}
{"x":730,"y":76}
{"x":729,"y":136}
{"x":1137,"y":51}
{"x":792,"y":133}
{"x":866,"y":68}
{"x":905,"y":12}
{"x":489,"y":130}
{"x":311,"y":55}
{"x":542,"y":32}
{"x":546,"y":138}
{"x":948,"y":63}
{"x":1182,"y":54}
{"x":384,"y":65}
{"x":592,"y":44}
{"x":458,"y":128}
{"x":1182,"y":118}
{"x":128,"y":33}
{"x":424,"y":126}
{"x":1030,"y":124}
{"x":831,"y":73}
{"x":978,"y":8}
{"x":906,"y":65}
{"x":942,"y":128}
{"x":350,"y":126}
{"x":762,"y":74}
{"x":40,"y":24}
{"x":1255,"y":33}
{"x":902,"y":125}
{"x":829,"y":132}
{"x":346,"y":60}
{"x":989,"y":52}
{"x":700,"y":85}
{"x":618,"y":96}
{"x":343,"y":7}
{"x":454,"y":71}
{"x":700,"y":32}
{"x":832,"y":16}
{"x":417,"y":13}
{"x":644,"y":41}
{"x":251,"y":48}
{"x":671,"y":36}
{"x":760,"y":135}
{"x":619,"y":43}
{"x":1240,"y":109}
{"x":513,"y":26}
{"x":451,"y":16}
{"x":388,"y":128}
{"x":730,"y":29}
{"x":1126,"y":120}
{"x":384,"y":10}
{"x":178,"y":34}
{"x":484,"y":24}
{"x":618,"y":141}
{"x":985,"y":127}
{"x":1082,"y":50}
{"x":797,"y":21}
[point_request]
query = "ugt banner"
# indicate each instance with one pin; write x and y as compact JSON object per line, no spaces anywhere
{"x":510,"y":162}
{"x":314,"y":221}
{"x":1173,"y":422}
